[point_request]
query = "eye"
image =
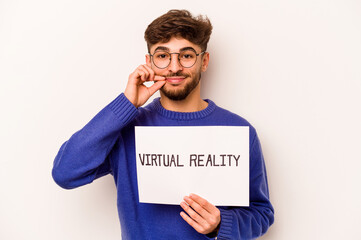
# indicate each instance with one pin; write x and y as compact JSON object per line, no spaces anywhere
{"x":187,"y":55}
{"x":161,"y":55}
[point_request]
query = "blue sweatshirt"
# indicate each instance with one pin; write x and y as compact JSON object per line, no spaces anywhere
{"x":106,"y":145}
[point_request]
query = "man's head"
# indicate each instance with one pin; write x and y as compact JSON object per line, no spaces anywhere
{"x":169,"y":35}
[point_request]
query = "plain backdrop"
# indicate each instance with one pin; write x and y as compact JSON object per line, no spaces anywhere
{"x":292,"y":68}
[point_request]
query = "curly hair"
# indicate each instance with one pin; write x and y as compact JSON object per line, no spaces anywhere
{"x":179,"y":23}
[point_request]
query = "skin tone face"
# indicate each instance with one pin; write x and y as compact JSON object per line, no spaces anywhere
{"x":175,"y":81}
{"x":182,"y":84}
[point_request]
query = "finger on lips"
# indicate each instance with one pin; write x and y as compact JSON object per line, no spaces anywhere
{"x":159,"y":78}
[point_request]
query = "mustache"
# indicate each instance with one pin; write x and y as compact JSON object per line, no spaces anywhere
{"x":176,"y":75}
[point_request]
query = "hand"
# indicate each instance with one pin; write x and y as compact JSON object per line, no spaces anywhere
{"x":136,"y":92}
{"x":202,"y":215}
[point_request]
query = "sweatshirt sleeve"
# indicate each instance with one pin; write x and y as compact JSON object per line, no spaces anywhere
{"x":83,"y":157}
{"x":243,"y":223}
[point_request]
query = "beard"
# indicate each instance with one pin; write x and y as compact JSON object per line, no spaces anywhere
{"x":181,"y":94}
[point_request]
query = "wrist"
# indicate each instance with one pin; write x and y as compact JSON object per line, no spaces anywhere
{"x":215,"y":232}
{"x":130,"y":99}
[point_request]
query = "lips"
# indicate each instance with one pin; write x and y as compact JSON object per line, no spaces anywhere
{"x":175,"y":79}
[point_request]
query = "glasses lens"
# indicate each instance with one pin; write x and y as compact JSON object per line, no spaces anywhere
{"x":161,"y":59}
{"x":187,"y":58}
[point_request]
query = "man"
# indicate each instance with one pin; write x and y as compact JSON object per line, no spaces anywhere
{"x":177,"y":44}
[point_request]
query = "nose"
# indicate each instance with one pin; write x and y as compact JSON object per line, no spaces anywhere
{"x":174,"y":65}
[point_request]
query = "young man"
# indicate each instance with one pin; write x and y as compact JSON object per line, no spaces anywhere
{"x":177,"y":44}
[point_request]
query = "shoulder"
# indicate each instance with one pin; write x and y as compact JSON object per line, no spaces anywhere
{"x":233,"y":119}
{"x":230,"y":118}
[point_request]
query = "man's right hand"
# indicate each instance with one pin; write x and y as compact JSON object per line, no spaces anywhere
{"x":136,"y":92}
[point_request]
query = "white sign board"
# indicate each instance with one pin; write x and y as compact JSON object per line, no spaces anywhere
{"x":210,"y":161}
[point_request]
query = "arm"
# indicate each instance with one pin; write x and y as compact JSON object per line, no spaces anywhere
{"x":83,"y":157}
{"x":235,"y":222}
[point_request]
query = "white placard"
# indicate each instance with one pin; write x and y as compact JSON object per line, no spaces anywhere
{"x":210,"y":161}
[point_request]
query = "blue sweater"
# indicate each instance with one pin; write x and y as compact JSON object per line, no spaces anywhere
{"x":107,"y":145}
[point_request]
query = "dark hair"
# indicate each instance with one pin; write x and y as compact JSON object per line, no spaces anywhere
{"x":179,"y":23}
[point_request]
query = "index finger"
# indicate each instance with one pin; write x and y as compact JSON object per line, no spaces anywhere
{"x":153,"y":76}
{"x":151,"y":72}
{"x":204,"y":203}
{"x":158,"y":78}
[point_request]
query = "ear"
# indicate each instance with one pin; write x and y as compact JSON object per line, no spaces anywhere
{"x":147,"y":60}
{"x":205,"y":61}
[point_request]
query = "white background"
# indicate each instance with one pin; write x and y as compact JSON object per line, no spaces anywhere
{"x":292,"y":68}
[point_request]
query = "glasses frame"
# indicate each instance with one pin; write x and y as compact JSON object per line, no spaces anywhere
{"x":170,"y":59}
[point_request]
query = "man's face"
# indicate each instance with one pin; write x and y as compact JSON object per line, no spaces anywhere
{"x":180,"y":81}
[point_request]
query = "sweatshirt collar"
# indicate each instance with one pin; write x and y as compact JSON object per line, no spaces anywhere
{"x":183,"y":115}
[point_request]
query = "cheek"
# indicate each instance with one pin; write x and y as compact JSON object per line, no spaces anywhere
{"x":198,"y":70}
{"x":157,"y":71}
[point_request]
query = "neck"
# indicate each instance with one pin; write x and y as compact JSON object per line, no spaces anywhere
{"x":192,"y":103}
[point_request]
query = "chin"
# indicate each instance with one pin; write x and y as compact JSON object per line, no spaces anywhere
{"x":176,"y":95}
{"x":180,"y":94}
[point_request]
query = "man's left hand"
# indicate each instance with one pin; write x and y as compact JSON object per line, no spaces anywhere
{"x":202,"y":215}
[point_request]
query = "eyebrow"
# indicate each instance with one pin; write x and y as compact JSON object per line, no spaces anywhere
{"x":187,"y":48}
{"x":162,"y":48}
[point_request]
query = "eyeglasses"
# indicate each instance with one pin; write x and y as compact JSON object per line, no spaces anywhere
{"x":186,"y":58}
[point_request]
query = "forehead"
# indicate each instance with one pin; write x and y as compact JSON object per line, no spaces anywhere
{"x":175,"y":45}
